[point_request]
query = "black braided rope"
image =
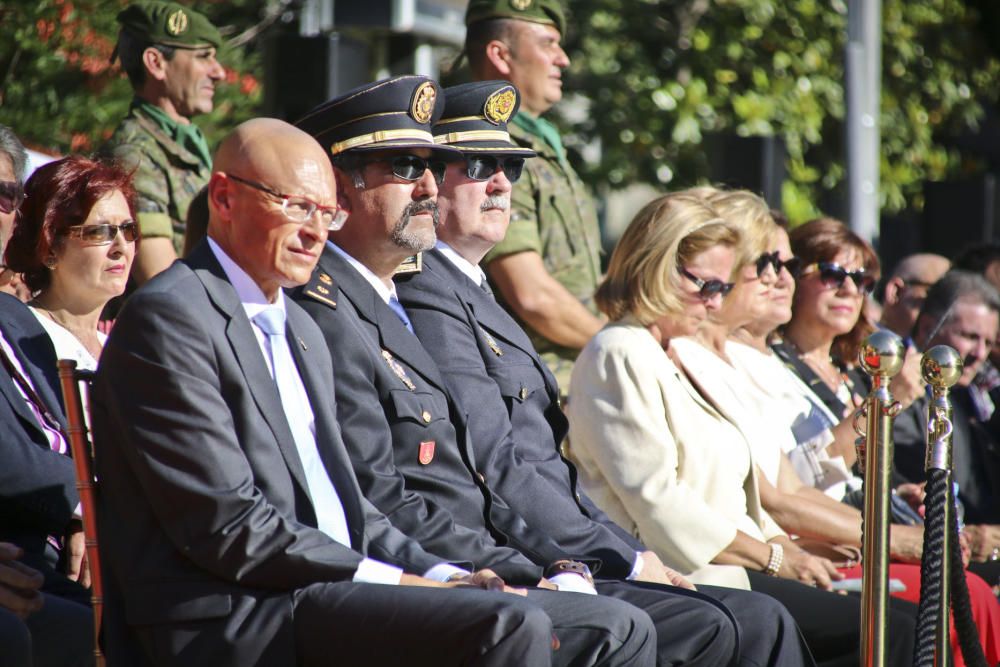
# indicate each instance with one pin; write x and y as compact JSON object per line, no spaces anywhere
{"x":930,"y":566}
{"x":939,"y":494}
{"x":961,"y":606}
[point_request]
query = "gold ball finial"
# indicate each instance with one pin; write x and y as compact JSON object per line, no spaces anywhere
{"x":882,"y":354}
{"x":941,"y":366}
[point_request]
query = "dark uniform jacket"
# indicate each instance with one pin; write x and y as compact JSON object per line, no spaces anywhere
{"x":37,"y":485}
{"x":408,"y":441}
{"x":515,"y":419}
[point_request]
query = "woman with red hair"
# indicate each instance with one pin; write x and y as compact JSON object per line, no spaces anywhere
{"x":73,"y":244}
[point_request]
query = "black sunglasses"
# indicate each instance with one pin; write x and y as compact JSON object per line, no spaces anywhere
{"x":793,"y":264}
{"x":707,"y":288}
{"x":482,"y":167}
{"x":11,"y":196}
{"x":412,"y":167}
{"x":103,"y":234}
{"x":832,"y":273}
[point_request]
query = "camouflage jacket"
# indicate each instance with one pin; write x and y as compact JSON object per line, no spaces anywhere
{"x":553,"y":214}
{"x":167,"y":176}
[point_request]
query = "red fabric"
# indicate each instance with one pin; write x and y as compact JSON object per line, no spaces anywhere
{"x":985,"y":608}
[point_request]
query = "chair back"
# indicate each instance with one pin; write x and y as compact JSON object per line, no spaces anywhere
{"x":82,"y":450}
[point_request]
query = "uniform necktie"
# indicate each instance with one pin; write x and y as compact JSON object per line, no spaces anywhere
{"x":329,"y":510}
{"x":397,"y":308}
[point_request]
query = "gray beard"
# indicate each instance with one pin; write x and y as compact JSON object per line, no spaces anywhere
{"x":404,"y":238}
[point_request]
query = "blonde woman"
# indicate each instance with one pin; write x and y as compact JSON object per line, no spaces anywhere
{"x":662,"y":460}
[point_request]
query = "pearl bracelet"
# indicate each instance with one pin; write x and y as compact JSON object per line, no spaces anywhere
{"x":774,"y":562}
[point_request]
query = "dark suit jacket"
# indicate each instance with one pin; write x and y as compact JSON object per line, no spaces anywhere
{"x":393,"y":408}
{"x":37,"y":485}
{"x":206,"y":524}
{"x":975,"y":455}
{"x":516,"y":422}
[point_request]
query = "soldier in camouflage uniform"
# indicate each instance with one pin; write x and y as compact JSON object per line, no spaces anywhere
{"x":548,"y":266}
{"x":168,"y":52}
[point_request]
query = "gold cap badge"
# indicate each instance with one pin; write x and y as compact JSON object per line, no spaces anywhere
{"x":500,"y":105}
{"x":423,"y":102}
{"x":520,"y":5}
{"x":177,"y":23}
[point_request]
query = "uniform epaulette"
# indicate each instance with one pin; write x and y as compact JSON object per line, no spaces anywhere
{"x":321,"y":288}
{"x":412,"y":264}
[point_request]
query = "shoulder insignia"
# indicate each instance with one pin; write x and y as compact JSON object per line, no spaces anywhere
{"x":398,"y":369}
{"x":492,"y":343}
{"x":321,"y":288}
{"x":177,"y":23}
{"x":499,"y":105}
{"x":422,"y":107}
{"x":412,"y":264}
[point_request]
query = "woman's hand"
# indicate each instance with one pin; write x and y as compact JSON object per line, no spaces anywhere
{"x":810,"y":570}
{"x":906,"y":543}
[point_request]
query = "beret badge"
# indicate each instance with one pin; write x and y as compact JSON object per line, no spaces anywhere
{"x":422,"y":107}
{"x":520,"y":5}
{"x":500,"y":105}
{"x":177,"y":23}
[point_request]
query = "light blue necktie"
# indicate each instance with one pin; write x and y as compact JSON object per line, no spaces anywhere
{"x":397,"y":308}
{"x":330,"y":515}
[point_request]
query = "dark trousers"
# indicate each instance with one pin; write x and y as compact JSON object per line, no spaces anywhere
{"x":831,"y":623}
{"x":397,"y":625}
{"x":60,"y":634}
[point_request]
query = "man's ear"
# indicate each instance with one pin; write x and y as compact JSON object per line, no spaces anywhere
{"x":893,"y":288}
{"x":499,"y":55}
{"x":992,"y":274}
{"x":220,"y":195}
{"x":155,"y":63}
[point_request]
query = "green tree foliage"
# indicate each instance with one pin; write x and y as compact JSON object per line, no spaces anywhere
{"x":662,"y":74}
{"x":59,"y":92}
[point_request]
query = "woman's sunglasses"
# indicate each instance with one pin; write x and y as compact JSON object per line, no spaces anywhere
{"x":11,"y":196}
{"x":105,"y":233}
{"x":707,"y":288}
{"x":793,"y":264}
{"x":831,"y":273}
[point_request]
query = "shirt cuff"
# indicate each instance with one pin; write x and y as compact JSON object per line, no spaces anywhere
{"x":636,"y":567}
{"x":444,"y":571}
{"x":371,"y":571}
{"x":574,"y":583}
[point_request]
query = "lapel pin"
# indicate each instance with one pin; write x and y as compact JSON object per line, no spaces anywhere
{"x":302,"y":343}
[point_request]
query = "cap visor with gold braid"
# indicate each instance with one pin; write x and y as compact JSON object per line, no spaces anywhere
{"x":390,"y":114}
{"x":475,"y":118}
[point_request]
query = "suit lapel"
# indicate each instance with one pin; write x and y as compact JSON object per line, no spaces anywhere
{"x":393,"y":334}
{"x":28,"y":347}
{"x":249,"y":357}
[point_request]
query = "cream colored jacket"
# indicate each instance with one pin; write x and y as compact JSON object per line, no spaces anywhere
{"x":658,"y":458}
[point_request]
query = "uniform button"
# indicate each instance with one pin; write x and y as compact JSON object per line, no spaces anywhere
{"x":426,"y":416}
{"x":524,"y":393}
{"x":578,"y":498}
{"x":482,"y":477}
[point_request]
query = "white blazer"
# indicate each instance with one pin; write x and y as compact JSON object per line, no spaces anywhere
{"x":658,"y":458}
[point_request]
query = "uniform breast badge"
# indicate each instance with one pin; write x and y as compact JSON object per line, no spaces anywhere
{"x":398,"y":370}
{"x":426,"y":453}
{"x":492,"y":343}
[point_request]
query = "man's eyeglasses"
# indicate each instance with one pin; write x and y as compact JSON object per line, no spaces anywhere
{"x":793,"y":264}
{"x":104,"y":234}
{"x":482,"y":167}
{"x":831,"y":273}
{"x":11,"y":196}
{"x":707,"y":289}
{"x":412,"y":167}
{"x":298,"y":208}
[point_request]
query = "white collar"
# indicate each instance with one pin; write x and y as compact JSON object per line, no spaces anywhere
{"x":251,"y":295}
{"x":473,"y":271}
{"x":384,"y":292}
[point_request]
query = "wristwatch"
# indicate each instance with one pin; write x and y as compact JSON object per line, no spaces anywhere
{"x":565,"y":566}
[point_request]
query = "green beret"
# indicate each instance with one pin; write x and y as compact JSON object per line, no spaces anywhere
{"x":549,"y":12}
{"x":169,"y":23}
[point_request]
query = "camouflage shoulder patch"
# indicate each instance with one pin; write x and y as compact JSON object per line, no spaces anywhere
{"x":322,"y":288}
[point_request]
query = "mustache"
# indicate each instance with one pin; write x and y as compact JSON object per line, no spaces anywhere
{"x":418,"y":207}
{"x":501,"y":202}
